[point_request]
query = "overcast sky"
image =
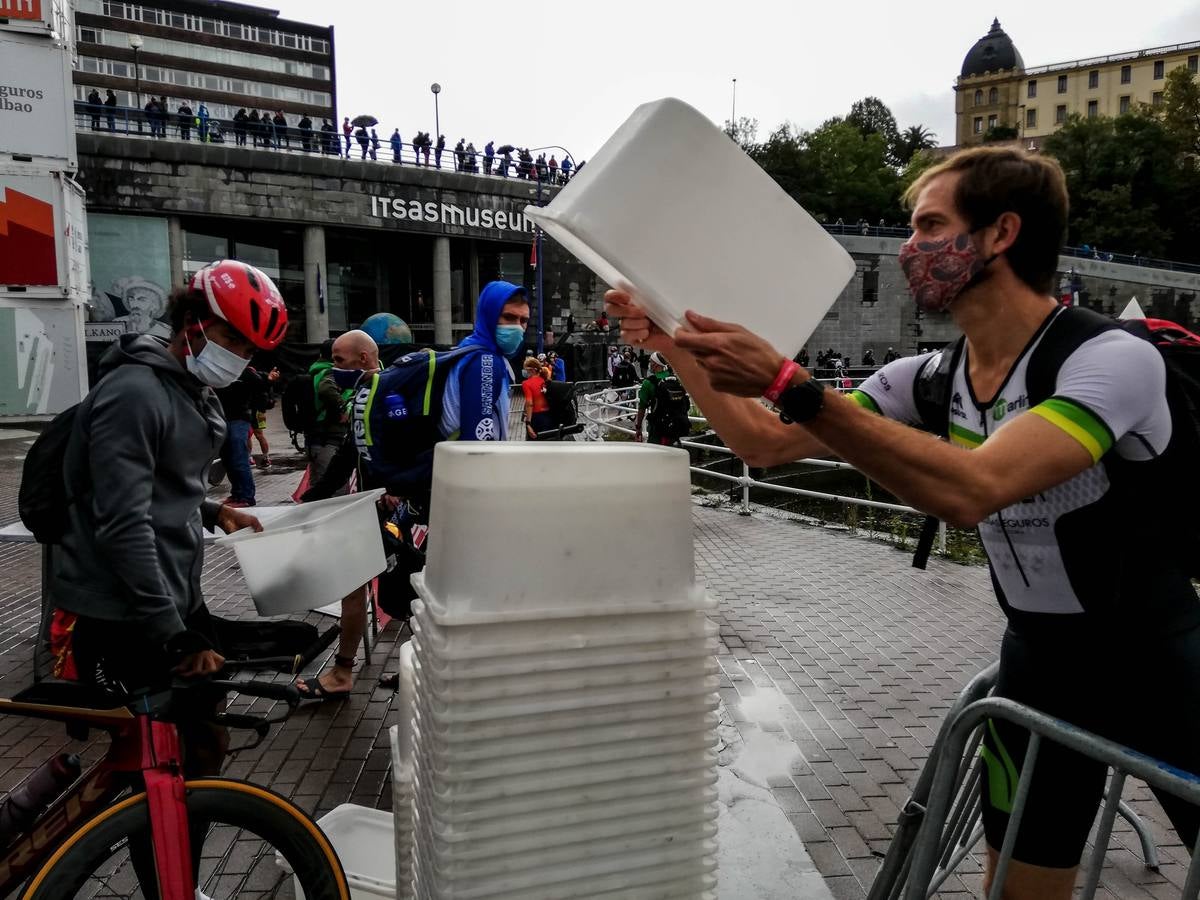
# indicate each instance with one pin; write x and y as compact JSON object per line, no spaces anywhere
{"x":569,"y":73}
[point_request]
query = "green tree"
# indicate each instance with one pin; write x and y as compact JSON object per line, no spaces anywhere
{"x":1180,"y":110}
{"x":743,"y":132}
{"x":871,"y":115}
{"x":913,"y":140}
{"x":920,"y":161}
{"x":1001,"y":133}
{"x":852,"y":174}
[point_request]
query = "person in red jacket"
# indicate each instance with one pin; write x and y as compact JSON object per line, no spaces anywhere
{"x":537,"y":408}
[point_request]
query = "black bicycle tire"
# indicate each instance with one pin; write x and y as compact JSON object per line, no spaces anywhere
{"x":270,"y":816}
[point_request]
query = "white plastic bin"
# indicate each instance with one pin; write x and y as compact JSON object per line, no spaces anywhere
{"x":610,"y":632}
{"x":621,"y":540}
{"x":402,"y":818}
{"x":364,"y":843}
{"x":312,"y":554}
{"x":673,"y":208}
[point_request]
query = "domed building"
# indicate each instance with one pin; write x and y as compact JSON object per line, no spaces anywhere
{"x":987,"y":91}
{"x":998,"y":98}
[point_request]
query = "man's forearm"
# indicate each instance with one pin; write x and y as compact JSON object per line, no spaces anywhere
{"x":928,"y":474}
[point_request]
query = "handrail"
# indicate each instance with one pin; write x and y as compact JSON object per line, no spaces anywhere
{"x":626,"y":408}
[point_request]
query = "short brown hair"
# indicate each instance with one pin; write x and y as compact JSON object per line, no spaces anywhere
{"x":997,"y":180}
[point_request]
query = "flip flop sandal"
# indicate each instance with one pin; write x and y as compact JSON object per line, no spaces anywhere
{"x":314,"y":691}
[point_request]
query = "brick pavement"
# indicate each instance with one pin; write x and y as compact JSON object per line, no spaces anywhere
{"x":839,"y":661}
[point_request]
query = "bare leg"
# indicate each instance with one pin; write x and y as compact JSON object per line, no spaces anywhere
{"x":1026,"y":882}
{"x":340,"y":677}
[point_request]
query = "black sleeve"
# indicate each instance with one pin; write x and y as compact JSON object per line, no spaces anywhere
{"x":341,"y":467}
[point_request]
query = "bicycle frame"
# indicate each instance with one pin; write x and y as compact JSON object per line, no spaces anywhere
{"x":139,"y":744}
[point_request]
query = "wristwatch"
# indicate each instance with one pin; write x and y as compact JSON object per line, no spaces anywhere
{"x":801,"y":402}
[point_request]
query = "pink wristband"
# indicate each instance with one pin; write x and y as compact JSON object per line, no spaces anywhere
{"x":782,"y":380}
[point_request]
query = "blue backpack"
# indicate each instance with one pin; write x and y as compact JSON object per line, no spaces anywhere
{"x":395,"y":416}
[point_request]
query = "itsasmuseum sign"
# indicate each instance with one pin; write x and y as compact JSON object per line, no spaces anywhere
{"x":496,"y":220}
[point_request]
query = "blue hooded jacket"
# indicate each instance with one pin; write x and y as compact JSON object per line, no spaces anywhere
{"x":475,"y":403}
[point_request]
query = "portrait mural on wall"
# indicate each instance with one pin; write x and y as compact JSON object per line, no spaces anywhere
{"x":131,"y":272}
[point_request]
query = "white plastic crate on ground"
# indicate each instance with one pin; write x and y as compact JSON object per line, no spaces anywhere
{"x":561,"y":716}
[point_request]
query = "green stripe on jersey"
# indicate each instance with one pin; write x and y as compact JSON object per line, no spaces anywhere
{"x":864,"y":400}
{"x":1082,"y":424}
{"x":965,"y":437}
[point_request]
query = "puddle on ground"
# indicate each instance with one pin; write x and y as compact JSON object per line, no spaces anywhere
{"x":757,"y":748}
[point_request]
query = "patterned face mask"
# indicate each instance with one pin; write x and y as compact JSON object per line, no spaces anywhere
{"x":938,"y":271}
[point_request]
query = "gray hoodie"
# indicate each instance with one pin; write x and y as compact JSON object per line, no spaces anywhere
{"x":137,"y":464}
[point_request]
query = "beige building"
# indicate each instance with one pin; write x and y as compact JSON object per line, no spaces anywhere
{"x":996,"y":90}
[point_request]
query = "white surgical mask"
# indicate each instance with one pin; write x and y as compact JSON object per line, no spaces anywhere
{"x":215,"y":365}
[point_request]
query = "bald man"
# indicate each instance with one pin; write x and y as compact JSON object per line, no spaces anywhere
{"x":338,"y":363}
{"x":352,"y":354}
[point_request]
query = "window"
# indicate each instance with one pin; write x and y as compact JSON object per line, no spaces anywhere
{"x":1031,"y":118}
{"x":1031,"y":89}
{"x":991,"y":122}
{"x":1062,"y":84}
{"x":88,"y":35}
{"x":1093,"y":109}
{"x":1060,"y":114}
{"x":1156,"y":98}
{"x":1126,"y":74}
{"x":978,"y":98}
{"x":870,"y":286}
{"x":1158,"y":69}
{"x":993,"y":96}
{"x":977,"y":126}
{"x":1093,"y":79}
{"x":1124,"y":104}
{"x":1193,"y":63}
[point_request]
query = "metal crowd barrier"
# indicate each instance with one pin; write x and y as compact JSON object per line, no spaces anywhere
{"x":608,"y":409}
{"x":939,"y":826}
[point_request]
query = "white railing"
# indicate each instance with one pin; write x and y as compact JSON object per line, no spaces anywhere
{"x":613,"y":410}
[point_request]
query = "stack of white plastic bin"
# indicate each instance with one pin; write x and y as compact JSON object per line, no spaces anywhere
{"x":563,"y":714}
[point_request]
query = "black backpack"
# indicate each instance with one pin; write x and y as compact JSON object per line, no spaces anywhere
{"x":299,"y":405}
{"x":624,"y":374}
{"x":43,"y":498}
{"x":560,"y":395}
{"x":1070,"y":329}
{"x":669,"y":408}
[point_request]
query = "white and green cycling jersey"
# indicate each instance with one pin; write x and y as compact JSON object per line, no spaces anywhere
{"x":1077,"y":547}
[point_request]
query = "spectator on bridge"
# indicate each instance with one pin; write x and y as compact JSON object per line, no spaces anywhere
{"x":240,"y":122}
{"x":304,"y":126}
{"x":202,"y":115}
{"x":426,"y":146}
{"x":186,"y":120}
{"x":374,"y":145}
{"x":397,"y":143}
{"x":553,"y":169}
{"x":868,"y":357}
{"x":330,"y":145}
{"x":566,"y":169}
{"x":281,"y":130}
{"x":94,"y":104}
{"x":151,"y":111}
{"x":460,"y":155}
{"x":803,"y":357}
{"x":506,"y":162}
{"x":540,"y":167}
{"x":437,"y":153}
{"x":347,"y":130}
{"x":110,"y":105}
{"x":364,"y":140}
{"x":890,"y":356}
{"x":255,"y":126}
{"x":489,"y":154}
{"x":472,"y":159}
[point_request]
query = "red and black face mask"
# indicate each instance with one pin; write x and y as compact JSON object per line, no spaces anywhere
{"x":938,"y":271}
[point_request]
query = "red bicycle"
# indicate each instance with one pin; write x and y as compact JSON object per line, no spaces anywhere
{"x":94,"y":843}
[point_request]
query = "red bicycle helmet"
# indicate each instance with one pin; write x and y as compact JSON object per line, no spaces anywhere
{"x":245,"y":298}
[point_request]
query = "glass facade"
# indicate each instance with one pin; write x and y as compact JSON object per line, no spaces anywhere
{"x":132,"y":12}
{"x":153,"y":77}
{"x":185,"y":50}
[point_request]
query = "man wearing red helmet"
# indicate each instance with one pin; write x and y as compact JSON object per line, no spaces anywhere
{"x":136,"y":468}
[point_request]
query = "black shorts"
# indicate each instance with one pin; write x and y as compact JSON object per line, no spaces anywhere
{"x":1138,"y":691}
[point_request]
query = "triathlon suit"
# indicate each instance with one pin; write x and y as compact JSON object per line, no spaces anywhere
{"x":1103,"y":622}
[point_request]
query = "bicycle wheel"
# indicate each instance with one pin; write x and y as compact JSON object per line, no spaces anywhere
{"x":246,"y":827}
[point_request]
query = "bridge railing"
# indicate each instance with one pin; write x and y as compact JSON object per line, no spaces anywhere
{"x":612,"y":410}
{"x":132,"y":122}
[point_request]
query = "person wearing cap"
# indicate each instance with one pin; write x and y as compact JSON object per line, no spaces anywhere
{"x":127,"y":571}
{"x":558,"y":368}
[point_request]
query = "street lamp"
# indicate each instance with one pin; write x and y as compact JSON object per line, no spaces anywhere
{"x":437,"y":125}
{"x":541,"y":336}
{"x":135,"y":44}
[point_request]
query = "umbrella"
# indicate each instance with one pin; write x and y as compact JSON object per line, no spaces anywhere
{"x":507,"y":148}
{"x":364,"y":121}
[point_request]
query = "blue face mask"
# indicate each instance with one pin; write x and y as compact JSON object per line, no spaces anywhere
{"x":509,"y":338}
{"x":345,"y":378}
